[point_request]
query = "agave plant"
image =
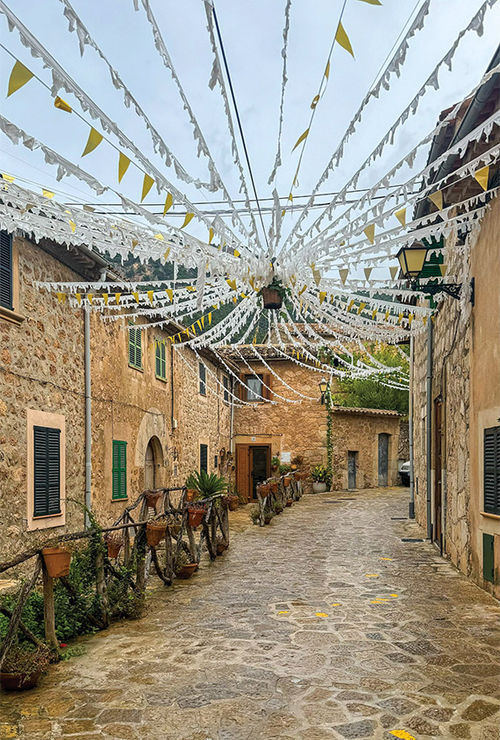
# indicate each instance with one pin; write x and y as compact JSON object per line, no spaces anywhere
{"x":206,"y":485}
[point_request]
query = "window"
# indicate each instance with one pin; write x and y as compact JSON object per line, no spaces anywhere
{"x":119,"y":474}
{"x":225,"y":381}
{"x":492,"y":470}
{"x":204,"y":458}
{"x":255,"y":387}
{"x":47,"y":471}
{"x":203,"y":379}
{"x":6,"y":270}
{"x":161,"y":360}
{"x":135,"y":347}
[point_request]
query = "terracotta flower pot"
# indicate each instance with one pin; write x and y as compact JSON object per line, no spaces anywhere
{"x":265,"y":489}
{"x":186,"y":571}
{"x":174,"y":529}
{"x":18,"y":681}
{"x":196,"y":512}
{"x":287,"y":481}
{"x":221,"y":547}
{"x":289,"y":502}
{"x":155,"y":532}
{"x":152,"y":498}
{"x":114,"y":547}
{"x":271,"y":298}
{"x":57,"y":561}
{"x":233,"y":503}
{"x":274,"y":487}
{"x":191,"y":494}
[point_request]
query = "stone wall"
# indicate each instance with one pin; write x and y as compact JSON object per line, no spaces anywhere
{"x":404,"y":440}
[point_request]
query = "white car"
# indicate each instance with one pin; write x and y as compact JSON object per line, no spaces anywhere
{"x":404,"y":472}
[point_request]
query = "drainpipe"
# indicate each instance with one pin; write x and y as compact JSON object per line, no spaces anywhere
{"x":231,"y":426}
{"x":411,"y":505}
{"x":88,"y":415}
{"x":429,"y":426}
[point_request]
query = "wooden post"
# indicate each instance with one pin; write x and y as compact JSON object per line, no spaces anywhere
{"x":49,"y":615}
{"x":101,"y":589}
{"x":16,"y":614}
{"x":126,"y":540}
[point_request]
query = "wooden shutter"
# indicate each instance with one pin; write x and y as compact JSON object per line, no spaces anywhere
{"x":266,"y":388}
{"x":242,"y":470}
{"x":119,"y":472}
{"x":203,"y":378}
{"x":242,"y":390}
{"x":160,"y":361}
{"x":6,"y":269}
{"x":204,"y":458}
{"x":488,"y":557}
{"x":47,"y":471}
{"x":492,"y":470}
{"x":135,"y":347}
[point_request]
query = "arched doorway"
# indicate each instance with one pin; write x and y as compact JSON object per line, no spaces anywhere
{"x":152,"y":463}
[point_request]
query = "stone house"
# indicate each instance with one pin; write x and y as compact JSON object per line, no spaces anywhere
{"x":365,"y":441}
{"x":456,"y":375}
{"x":154,"y":415}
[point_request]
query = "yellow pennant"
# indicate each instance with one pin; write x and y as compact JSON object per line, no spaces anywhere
{"x":93,"y":141}
{"x":301,"y":138}
{"x":90,"y":298}
{"x":202,"y":322}
{"x":304,"y":288}
{"x":316,"y":276}
{"x":322,"y":296}
{"x":61,"y":297}
{"x":386,"y":315}
{"x":343,"y":272}
{"x":72,"y":226}
{"x":166,"y":253}
{"x":401,"y":216}
{"x":198,"y":323}
{"x":235,"y":299}
{"x":19,"y":76}
{"x":210,"y":318}
{"x":442,"y":269}
{"x":327,"y":69}
{"x":160,"y":237}
{"x":424,"y":319}
{"x":400,"y":316}
{"x":187,"y":219}
{"x":62,"y":105}
{"x":150,"y":295}
{"x":236,"y":253}
{"x":136,"y":296}
{"x":437,"y":199}
{"x":361,"y":307}
{"x":79,"y":298}
{"x":168,"y":203}
{"x":146,"y":186}
{"x":48,"y":193}
{"x":8,"y":178}
{"x":342,"y":38}
{"x":410,"y":319}
{"x":374,"y":313}
{"x":315,"y":102}
{"x":211,"y":234}
{"x":251,"y":280}
{"x":482,"y":176}
{"x":170,"y":294}
{"x":123,"y":165}
{"x":372,"y":2}
{"x":117,"y":298}
{"x":370,"y":233}
{"x":351,"y":304}
{"x":105,"y":297}
{"x":394,"y":271}
{"x":135,"y":242}
{"x":231,"y":283}
{"x":368,"y":272}
{"x":190,"y":288}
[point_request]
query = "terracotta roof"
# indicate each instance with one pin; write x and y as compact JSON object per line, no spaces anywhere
{"x":364,"y":412}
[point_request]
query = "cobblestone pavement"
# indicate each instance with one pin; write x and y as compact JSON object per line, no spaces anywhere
{"x":323,"y":625}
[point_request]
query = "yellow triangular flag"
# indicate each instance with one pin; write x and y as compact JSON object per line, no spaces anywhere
{"x":424,"y":319}
{"x":374,"y":313}
{"x":170,"y":294}
{"x":117,"y":298}
{"x":61,"y":297}
{"x":135,"y":242}
{"x":315,"y":101}
{"x":301,"y":139}
{"x":442,"y":269}
{"x":90,"y":297}
{"x":136,"y":296}
{"x":302,"y":289}
{"x":231,"y":283}
{"x":48,"y":193}
{"x":361,"y":307}
{"x":343,"y":272}
{"x":482,"y":176}
{"x":160,"y":237}
{"x":327,"y":69}
{"x":78,"y":298}
{"x":168,"y":203}
{"x":370,"y":233}
{"x":437,"y":199}
{"x":316,"y":276}
{"x":236,"y":253}
{"x":190,"y":288}
{"x":322,"y":296}
{"x":368,"y":272}
{"x":62,"y":105}
{"x":8,"y":178}
{"x":123,"y":165}
{"x":202,"y":322}
{"x":342,"y":38}
{"x":210,"y":235}
{"x":386,"y":315}
{"x":210,"y":318}
{"x":372,"y":2}
{"x":401,"y":216}
{"x":146,"y":186}
{"x":400,"y":316}
{"x":93,"y":141}
{"x":19,"y":76}
{"x":105,"y":297}
{"x":72,"y":226}
{"x":198,"y":322}
{"x":166,"y":253}
{"x":351,"y":304}
{"x":187,"y":219}
{"x":150,"y":295}
{"x":410,"y":319}
{"x":394,"y":271}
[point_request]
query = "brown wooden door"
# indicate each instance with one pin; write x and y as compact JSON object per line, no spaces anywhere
{"x":260,"y":460}
{"x":243,"y":470}
{"x":438,"y":465}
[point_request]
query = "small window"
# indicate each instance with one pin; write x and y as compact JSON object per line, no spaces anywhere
{"x":135,"y":347}
{"x":6,"y":270}
{"x":47,"y":471}
{"x":492,"y":470}
{"x":204,"y":458}
{"x":255,"y":387}
{"x":161,"y":360}
{"x":119,"y":473}
{"x":203,"y":379}
{"x":225,"y":381}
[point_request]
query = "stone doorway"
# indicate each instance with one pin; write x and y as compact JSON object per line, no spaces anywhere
{"x":352,"y":465}
{"x":152,"y":462}
{"x":253,"y":466}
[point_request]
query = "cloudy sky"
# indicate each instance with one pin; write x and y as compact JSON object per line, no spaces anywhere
{"x":252,"y":33}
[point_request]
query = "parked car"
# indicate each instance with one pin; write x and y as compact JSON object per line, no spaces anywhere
{"x":404,"y":472}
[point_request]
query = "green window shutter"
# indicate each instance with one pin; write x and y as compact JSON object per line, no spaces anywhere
{"x":135,"y":347}
{"x":204,"y":458}
{"x":119,"y":471}
{"x":491,"y":460}
{"x":160,"y":361}
{"x":47,"y":471}
{"x":488,"y":558}
{"x":203,"y":378}
{"x":6,"y":269}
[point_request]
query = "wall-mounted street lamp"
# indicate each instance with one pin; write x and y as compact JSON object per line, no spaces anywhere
{"x":323,"y":386}
{"x":412,"y":261}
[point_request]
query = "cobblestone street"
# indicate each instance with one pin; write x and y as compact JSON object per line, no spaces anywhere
{"x":325,"y":624}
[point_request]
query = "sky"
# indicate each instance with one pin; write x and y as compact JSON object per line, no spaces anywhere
{"x":252,"y":34}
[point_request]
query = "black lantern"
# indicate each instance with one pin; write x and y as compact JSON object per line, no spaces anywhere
{"x":323,"y":386}
{"x":412,"y":261}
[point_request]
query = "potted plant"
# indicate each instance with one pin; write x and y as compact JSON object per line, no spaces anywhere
{"x":173,"y":525}
{"x":23,"y":666}
{"x":284,"y":469}
{"x":297,"y":461}
{"x":152,"y":498}
{"x":232,"y":501}
{"x":114,"y":542}
{"x":287,"y":480}
{"x":57,"y":561}
{"x":278,"y":507}
{"x":206,"y":486}
{"x":184,"y":567}
{"x":321,"y":479}
{"x":196,"y":512}
{"x":155,"y":531}
{"x":274,"y":486}
{"x":275,"y":463}
{"x":274,"y":294}
{"x":264,"y":489}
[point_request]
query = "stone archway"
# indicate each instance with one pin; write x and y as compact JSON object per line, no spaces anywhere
{"x":153,"y":462}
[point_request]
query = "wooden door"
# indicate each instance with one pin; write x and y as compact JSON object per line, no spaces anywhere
{"x":438,"y":465}
{"x":351,"y":468}
{"x":383,"y":459}
{"x":259,"y":466}
{"x":243,"y":470}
